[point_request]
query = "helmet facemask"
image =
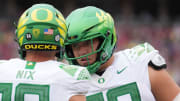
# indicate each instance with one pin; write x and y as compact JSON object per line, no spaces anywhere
{"x":101,"y":57}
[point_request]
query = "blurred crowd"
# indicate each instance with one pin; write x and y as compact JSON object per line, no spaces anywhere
{"x":8,"y":46}
{"x":164,"y":36}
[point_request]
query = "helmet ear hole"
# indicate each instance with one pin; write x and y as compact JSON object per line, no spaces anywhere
{"x":57,"y":15}
{"x":108,"y":33}
{"x":73,"y":37}
{"x":27,"y":14}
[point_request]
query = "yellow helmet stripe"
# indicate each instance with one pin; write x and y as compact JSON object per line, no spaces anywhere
{"x":63,"y":25}
{"x":63,"y":34}
{"x":21,"y":40}
{"x":22,"y":22}
{"x":21,"y":31}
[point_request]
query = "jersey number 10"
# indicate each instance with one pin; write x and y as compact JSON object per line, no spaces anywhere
{"x":22,"y":89}
{"x":114,"y":93}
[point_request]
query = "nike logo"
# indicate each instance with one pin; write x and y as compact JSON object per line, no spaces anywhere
{"x":118,"y":72}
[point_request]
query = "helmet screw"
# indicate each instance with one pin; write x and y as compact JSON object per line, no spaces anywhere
{"x":108,"y":33}
{"x":104,"y":56}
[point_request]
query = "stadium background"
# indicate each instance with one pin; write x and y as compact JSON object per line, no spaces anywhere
{"x":137,"y":21}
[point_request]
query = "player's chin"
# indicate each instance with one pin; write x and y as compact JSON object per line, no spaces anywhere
{"x":83,"y":63}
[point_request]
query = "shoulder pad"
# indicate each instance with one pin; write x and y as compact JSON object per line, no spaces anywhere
{"x":157,"y":67}
{"x":141,"y":48}
{"x":157,"y":62}
{"x":3,"y":61}
{"x":138,"y":51}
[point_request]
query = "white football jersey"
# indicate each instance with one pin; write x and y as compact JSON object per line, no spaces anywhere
{"x":41,"y":81}
{"x":127,"y":79}
{"x":2,"y":61}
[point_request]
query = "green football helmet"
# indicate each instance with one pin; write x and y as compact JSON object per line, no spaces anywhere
{"x":86,"y":24}
{"x":41,"y":28}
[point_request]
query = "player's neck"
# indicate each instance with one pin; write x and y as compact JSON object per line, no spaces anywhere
{"x":107,"y":64}
{"x":39,"y":56}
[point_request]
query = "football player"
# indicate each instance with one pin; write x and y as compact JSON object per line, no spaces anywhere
{"x":37,"y":76}
{"x":136,"y":74}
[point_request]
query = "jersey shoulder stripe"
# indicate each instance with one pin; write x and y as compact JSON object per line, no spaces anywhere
{"x":139,"y":52}
{"x":80,"y":73}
